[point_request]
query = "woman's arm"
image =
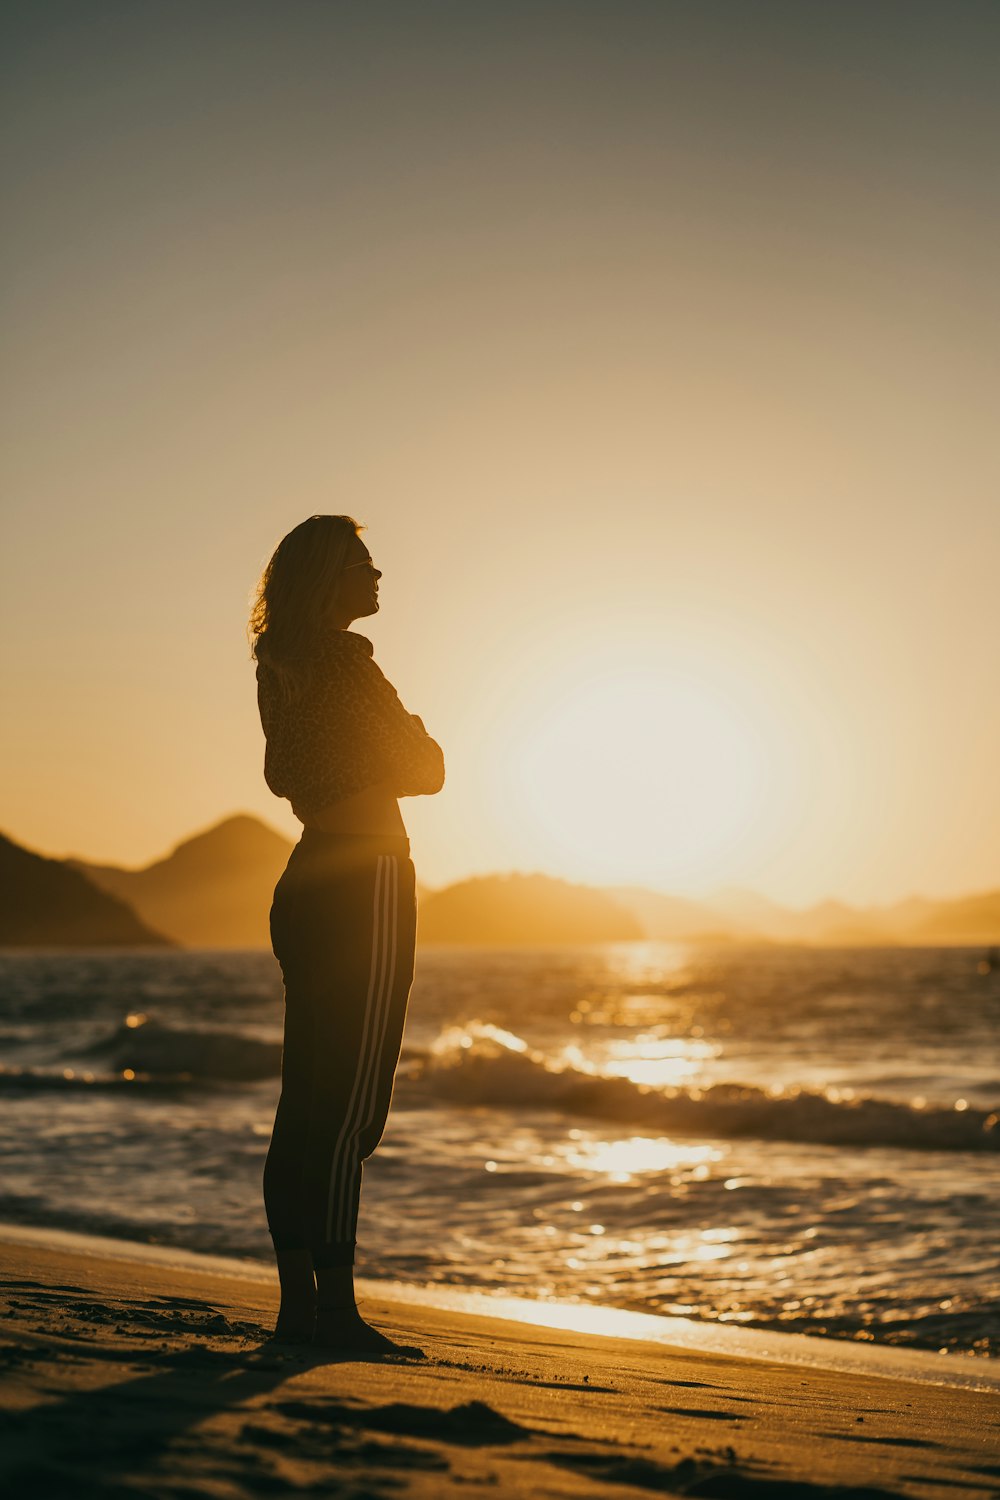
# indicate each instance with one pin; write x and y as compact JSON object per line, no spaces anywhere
{"x":414,"y":763}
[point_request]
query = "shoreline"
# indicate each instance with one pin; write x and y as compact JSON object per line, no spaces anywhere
{"x":138,"y":1376}
{"x":811,"y":1352}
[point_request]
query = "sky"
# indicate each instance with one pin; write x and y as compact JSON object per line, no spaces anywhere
{"x":654,"y":344}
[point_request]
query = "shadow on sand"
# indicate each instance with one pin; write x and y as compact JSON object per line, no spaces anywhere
{"x":110,"y":1440}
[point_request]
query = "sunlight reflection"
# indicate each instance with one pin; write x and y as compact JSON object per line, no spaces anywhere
{"x":609,"y":1256}
{"x":662,"y":1062}
{"x":711,"y":1252}
{"x":636,"y":1154}
{"x":647,"y":962}
{"x":656,"y":1062}
{"x":453,"y":1037}
{"x":703,"y":1245}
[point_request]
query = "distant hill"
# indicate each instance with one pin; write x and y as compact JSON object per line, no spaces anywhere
{"x":213,"y":891}
{"x":836,"y":924}
{"x":749,"y":910}
{"x":828,"y":922}
{"x":967,"y":920}
{"x":48,"y":905}
{"x":971,"y":919}
{"x":675,"y":919}
{"x":523,"y":911}
{"x":904,"y":916}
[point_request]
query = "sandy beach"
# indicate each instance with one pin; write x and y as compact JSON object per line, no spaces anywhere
{"x":134,"y":1371}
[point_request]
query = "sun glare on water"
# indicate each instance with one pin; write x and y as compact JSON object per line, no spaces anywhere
{"x":630,"y":770}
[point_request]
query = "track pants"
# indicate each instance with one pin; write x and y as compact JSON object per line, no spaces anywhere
{"x":343,"y":928}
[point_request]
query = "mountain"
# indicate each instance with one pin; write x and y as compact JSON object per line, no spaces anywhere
{"x":757,"y":913}
{"x":523,"y":911}
{"x":836,"y":924}
{"x":48,"y":905}
{"x":901,"y":917}
{"x":675,"y":919}
{"x":970,"y":919}
{"x":965,"y":920}
{"x":212,"y":891}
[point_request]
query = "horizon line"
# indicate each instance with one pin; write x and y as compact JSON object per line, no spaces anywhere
{"x":705,"y":898}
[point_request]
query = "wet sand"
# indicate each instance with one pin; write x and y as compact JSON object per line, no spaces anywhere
{"x":126,"y":1375}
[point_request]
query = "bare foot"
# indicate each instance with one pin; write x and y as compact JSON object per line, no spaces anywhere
{"x":294,"y":1326}
{"x":342,"y":1330}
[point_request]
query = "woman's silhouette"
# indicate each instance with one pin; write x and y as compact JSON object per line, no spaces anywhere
{"x":342,"y":749}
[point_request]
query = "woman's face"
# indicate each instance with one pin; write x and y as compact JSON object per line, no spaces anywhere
{"x":358,"y":593}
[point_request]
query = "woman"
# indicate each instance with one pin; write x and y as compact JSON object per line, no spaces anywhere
{"x":342,"y":749}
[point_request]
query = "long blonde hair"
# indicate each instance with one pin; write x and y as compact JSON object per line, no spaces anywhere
{"x":295,"y":595}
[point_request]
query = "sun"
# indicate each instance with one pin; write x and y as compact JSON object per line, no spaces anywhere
{"x":621,"y":769}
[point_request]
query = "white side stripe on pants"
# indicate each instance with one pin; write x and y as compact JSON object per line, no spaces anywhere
{"x":369,"y":1093}
{"x":372,"y":1027}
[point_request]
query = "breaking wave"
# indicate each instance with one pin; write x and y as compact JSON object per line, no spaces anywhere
{"x":149,"y":1053}
{"x":481,"y":1064}
{"x":150,"y":1047}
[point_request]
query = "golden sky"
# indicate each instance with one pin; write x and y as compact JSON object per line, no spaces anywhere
{"x":654,"y":343}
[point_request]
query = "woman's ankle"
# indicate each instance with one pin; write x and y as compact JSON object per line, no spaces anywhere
{"x":335,"y":1288}
{"x":295,"y":1273}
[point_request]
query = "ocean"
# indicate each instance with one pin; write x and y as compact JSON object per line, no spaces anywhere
{"x":778,"y":1137}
